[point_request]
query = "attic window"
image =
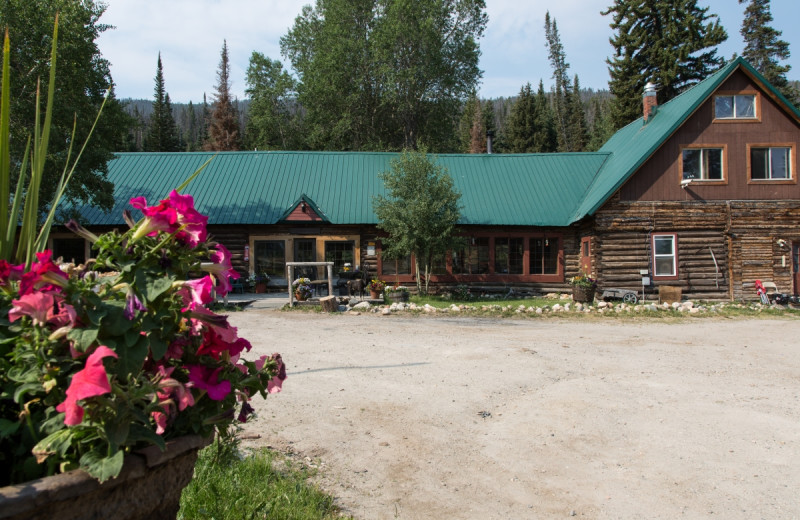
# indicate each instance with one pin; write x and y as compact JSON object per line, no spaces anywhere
{"x":703,"y":164}
{"x":735,"y":106}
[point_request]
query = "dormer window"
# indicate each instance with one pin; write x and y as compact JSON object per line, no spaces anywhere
{"x":735,"y":106}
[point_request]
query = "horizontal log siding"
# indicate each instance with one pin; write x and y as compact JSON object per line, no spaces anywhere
{"x":742,"y":234}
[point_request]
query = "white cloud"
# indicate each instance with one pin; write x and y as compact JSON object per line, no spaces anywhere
{"x":189,"y":34}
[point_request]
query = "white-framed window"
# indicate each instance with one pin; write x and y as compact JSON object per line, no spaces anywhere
{"x":665,"y":255}
{"x":706,"y":164}
{"x":770,"y":163}
{"x":735,"y":106}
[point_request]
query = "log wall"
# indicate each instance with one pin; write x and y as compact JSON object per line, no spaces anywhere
{"x":743,"y":236}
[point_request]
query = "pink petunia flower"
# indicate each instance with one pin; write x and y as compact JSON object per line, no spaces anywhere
{"x":276,"y":383}
{"x":44,"y":308}
{"x":175,"y":214}
{"x":221,"y":268}
{"x":89,"y":382}
{"x":206,"y":378}
{"x":197,"y":292}
{"x":214,"y":345}
{"x":43,"y":275}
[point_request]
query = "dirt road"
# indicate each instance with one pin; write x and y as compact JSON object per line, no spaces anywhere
{"x":461,"y":418}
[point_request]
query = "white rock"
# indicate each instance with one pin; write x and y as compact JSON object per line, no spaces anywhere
{"x":386,"y":310}
{"x":539,"y":310}
{"x":361,"y":306}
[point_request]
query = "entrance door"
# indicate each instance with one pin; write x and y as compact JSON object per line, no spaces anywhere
{"x":796,"y":266}
{"x":305,"y":250}
{"x":586,"y":256}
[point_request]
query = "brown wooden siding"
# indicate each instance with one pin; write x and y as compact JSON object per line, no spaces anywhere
{"x":743,"y":236}
{"x":660,"y":176}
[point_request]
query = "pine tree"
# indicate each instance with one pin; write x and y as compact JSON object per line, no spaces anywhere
{"x":223,"y":128}
{"x":545,"y":139}
{"x":561,"y":90}
{"x":466,"y":121}
{"x":478,"y":132}
{"x":578,"y":135}
{"x":763,"y":48}
{"x":602,"y":129}
{"x":530,"y":124}
{"x":162,"y":133}
{"x":671,"y":43}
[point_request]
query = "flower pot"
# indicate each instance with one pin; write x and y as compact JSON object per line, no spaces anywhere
{"x":582,"y":294}
{"x":299,"y":296}
{"x":260,"y":287}
{"x":148,"y":487}
{"x":375,"y":295}
{"x":397,"y":296}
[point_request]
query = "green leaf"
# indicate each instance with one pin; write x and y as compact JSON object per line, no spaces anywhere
{"x":140,"y":433}
{"x":154,"y":286}
{"x":8,"y":428}
{"x":114,"y":323}
{"x":157,"y":346}
{"x":131,"y":357}
{"x":100,"y":467}
{"x":117,"y":433}
{"x":21,"y":390}
{"x":55,"y":443}
{"x":83,"y":338}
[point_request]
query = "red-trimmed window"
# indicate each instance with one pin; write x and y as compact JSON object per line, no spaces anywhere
{"x":665,"y":256}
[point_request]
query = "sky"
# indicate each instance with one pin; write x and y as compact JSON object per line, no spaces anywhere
{"x":189,"y":35}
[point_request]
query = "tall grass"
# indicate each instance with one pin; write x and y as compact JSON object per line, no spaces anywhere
{"x":227,"y":486}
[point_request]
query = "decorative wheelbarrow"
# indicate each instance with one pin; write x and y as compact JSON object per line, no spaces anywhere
{"x":626,"y":295}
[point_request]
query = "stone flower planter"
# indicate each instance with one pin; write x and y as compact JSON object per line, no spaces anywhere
{"x":149,"y":487}
{"x":583,"y":294}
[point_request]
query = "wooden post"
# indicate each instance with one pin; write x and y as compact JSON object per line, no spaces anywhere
{"x":329,"y":303}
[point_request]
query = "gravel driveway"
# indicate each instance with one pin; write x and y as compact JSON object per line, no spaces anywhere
{"x":419,"y":417}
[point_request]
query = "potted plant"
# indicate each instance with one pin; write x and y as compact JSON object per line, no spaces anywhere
{"x":397,"y":293}
{"x":117,"y":356}
{"x":583,"y":288}
{"x":302,"y":289}
{"x":258,"y":281}
{"x":375,"y":288}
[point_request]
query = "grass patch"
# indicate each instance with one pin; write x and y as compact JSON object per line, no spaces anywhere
{"x":228,"y":486}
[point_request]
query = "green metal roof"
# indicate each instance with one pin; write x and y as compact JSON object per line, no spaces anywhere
{"x":632,"y":145}
{"x":499,"y":189}
{"x":261,"y":187}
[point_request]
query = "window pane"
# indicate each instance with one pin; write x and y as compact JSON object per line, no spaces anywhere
{"x":663,"y":245}
{"x":339,"y":253}
{"x":392,"y":266}
{"x":723,"y":106}
{"x":501,"y":255}
{"x":746,"y":106}
{"x":270,"y":257}
{"x":713,"y":168}
{"x":758,"y":163}
{"x":515,"y":249}
{"x":551,"y":256}
{"x":691,"y":164}
{"x":665,"y":266}
{"x":779,"y":158}
{"x":479,"y":256}
{"x":438,"y":264}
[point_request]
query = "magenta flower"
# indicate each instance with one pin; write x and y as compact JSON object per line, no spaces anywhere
{"x":197,"y":292}
{"x":205,"y":378}
{"x":221,"y":269}
{"x":214,"y":345}
{"x":276,"y":383}
{"x":171,"y":215}
{"x":44,"y":309}
{"x":89,"y":382}
{"x":44,"y":275}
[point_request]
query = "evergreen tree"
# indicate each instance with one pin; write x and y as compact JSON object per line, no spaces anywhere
{"x":521,"y":123}
{"x":561,"y":90}
{"x":578,"y":135}
{"x":602,"y":129}
{"x":478,"y":132}
{"x":671,"y":43}
{"x":223,"y":128}
{"x":545,"y":139}
{"x":190,"y":127}
{"x":205,"y":121}
{"x":162,"y":133}
{"x":530,"y":124}
{"x":466,"y":121}
{"x":763,"y":48}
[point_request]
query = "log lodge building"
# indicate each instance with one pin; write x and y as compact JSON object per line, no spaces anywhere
{"x":700,"y":193}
